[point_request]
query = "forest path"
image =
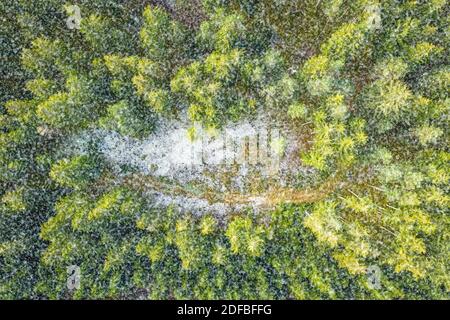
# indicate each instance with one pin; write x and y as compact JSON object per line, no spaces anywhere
{"x":262,"y":200}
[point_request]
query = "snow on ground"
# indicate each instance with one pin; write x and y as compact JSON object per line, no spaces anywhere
{"x":169,"y":154}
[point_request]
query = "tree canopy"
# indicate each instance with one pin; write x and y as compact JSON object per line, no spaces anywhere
{"x":367,"y":80}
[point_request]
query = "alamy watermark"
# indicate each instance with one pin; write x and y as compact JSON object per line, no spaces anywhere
{"x":244,"y":146}
{"x":73,"y":277}
{"x":74,"y":19}
{"x":373,"y":274}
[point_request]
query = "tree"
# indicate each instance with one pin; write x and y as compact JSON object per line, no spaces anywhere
{"x":77,"y":172}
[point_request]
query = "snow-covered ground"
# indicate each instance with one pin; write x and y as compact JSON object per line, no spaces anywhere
{"x":240,"y":151}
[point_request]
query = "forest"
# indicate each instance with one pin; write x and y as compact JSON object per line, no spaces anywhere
{"x":102,"y":102}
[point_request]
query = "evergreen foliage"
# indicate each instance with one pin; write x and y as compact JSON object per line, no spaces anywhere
{"x":368,"y":79}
